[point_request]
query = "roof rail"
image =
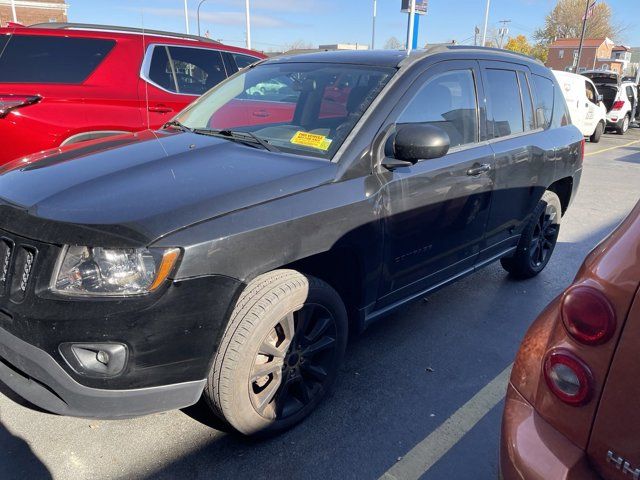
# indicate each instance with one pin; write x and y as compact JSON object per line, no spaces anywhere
{"x":114,"y":28}
{"x":493,"y":49}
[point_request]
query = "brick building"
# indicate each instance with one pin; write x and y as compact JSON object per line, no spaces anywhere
{"x":597,"y":53}
{"x":29,"y":12}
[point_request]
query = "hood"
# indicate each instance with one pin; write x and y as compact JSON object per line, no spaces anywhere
{"x":134,"y":189}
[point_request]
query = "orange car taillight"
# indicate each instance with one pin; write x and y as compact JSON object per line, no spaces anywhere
{"x":568,"y":377}
{"x":618,"y":105}
{"x":11,"y":102}
{"x":588,"y":315}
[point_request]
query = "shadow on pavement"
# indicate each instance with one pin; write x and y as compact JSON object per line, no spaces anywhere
{"x":17,"y":461}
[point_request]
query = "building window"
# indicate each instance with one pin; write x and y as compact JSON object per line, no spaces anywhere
{"x":561,"y":54}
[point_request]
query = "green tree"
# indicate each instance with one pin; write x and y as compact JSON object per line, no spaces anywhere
{"x":565,"y":21}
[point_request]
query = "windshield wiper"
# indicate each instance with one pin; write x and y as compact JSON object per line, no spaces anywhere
{"x":178,"y":125}
{"x":244,"y":137}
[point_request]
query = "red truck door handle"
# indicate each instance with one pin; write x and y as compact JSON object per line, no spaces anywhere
{"x":160,"y":109}
{"x":261,"y":114}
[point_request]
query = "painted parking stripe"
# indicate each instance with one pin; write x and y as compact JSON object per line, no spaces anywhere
{"x":424,"y":455}
{"x":612,"y":148}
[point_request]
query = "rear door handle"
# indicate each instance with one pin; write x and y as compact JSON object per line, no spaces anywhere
{"x":479,"y":169}
{"x":160,"y":109}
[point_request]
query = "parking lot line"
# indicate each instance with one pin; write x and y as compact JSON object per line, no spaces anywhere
{"x":425,"y":454}
{"x":612,"y":148}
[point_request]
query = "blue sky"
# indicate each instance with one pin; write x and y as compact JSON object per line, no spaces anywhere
{"x":278,"y":23}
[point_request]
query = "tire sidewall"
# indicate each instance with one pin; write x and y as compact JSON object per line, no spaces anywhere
{"x":240,"y":411}
{"x":548,"y":198}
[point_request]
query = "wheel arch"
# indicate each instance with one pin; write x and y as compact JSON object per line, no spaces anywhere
{"x":563,"y":188}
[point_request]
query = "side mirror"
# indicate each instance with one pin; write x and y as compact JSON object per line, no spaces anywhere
{"x":415,"y":142}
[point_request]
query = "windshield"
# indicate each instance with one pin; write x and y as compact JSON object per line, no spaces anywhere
{"x":304,"y":108}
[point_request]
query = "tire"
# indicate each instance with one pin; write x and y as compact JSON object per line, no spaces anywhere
{"x":621,"y":130}
{"x":279,"y":354}
{"x":534,"y":250}
{"x":595,"y":137}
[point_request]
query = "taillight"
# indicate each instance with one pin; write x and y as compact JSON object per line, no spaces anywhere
{"x":618,"y":105}
{"x":568,"y":377}
{"x":11,"y":102}
{"x":588,"y":315}
{"x":582,"y":147}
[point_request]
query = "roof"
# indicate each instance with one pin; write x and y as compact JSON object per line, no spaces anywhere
{"x":118,"y":29}
{"x":622,"y":47}
{"x":575,"y":42}
{"x":395,"y":58}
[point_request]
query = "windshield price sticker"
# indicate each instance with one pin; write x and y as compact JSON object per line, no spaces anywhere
{"x":313,"y":140}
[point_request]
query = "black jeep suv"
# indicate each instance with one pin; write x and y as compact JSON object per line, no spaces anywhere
{"x":227,"y":256}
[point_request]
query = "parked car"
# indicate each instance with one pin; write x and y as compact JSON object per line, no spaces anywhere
{"x":144,"y":271}
{"x":620,"y":98}
{"x":62,"y":84}
{"x":586,"y":108}
{"x":570,"y":410}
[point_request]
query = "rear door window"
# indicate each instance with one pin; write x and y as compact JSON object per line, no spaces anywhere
{"x":506,"y":106}
{"x":527,"y":102}
{"x":543,"y":93}
{"x":190,"y":71}
{"x":45,"y":59}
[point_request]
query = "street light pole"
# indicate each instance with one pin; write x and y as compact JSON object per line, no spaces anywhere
{"x":486,"y":24}
{"x":13,"y":10}
{"x":186,"y":16}
{"x":373,"y":31}
{"x":198,"y":15}
{"x":246,"y":6}
{"x":412,"y":14}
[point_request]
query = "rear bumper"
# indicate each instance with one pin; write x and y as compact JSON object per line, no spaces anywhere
{"x":38,"y":378}
{"x":531,"y":448}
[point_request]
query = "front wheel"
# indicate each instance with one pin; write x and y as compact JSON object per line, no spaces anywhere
{"x":280,"y":353}
{"x":538,"y":239}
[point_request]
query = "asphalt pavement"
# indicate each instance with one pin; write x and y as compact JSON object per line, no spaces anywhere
{"x":420,"y":384}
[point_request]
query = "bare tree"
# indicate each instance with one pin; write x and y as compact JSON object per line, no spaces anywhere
{"x":393,"y":44}
{"x":565,"y":21}
{"x":298,"y":45}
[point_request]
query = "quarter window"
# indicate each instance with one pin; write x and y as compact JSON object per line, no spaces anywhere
{"x":190,"y":71}
{"x":506,"y":106}
{"x":448,"y":101}
{"x":243,"y":61}
{"x":543,"y":92}
{"x":47,"y":59}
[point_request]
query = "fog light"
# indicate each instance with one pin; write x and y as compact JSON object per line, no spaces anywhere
{"x":568,"y":377}
{"x":95,"y":359}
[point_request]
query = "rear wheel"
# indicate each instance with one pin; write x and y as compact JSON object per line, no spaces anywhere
{"x":280,"y":353}
{"x":622,"y":129}
{"x":538,"y":239}
{"x":595,"y":137}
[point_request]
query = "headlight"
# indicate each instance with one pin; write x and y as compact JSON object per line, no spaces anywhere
{"x":112,"y":272}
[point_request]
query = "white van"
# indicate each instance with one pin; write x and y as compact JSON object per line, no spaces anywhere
{"x":587,"y":110}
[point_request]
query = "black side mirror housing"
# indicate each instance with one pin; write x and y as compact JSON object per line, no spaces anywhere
{"x":415,"y":142}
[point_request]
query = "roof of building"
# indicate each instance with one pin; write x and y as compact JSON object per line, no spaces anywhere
{"x":575,"y":42}
{"x":622,"y":47}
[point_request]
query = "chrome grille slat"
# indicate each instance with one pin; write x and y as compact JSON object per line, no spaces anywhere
{"x":6,"y":251}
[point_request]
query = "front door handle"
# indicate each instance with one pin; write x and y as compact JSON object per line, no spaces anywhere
{"x":261,"y":114}
{"x":479,"y":169}
{"x":160,"y":109}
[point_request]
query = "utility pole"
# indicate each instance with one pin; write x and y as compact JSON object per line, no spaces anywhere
{"x":584,"y":28}
{"x":412,"y":14}
{"x":373,"y":30}
{"x":486,"y":24}
{"x":476,"y":32}
{"x":502,"y":31}
{"x":13,"y":10}
{"x":248,"y":18}
{"x":186,"y":16}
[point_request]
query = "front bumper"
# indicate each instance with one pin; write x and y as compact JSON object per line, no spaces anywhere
{"x":531,"y":449}
{"x":38,"y":378}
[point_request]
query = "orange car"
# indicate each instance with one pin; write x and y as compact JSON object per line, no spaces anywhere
{"x":572,"y":407}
